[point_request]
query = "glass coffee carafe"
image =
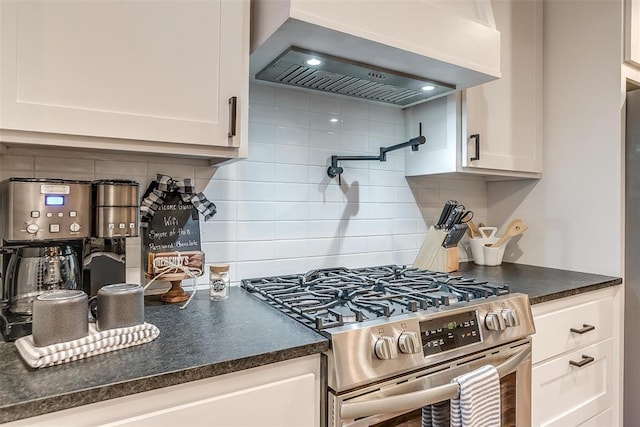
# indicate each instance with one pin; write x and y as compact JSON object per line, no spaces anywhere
{"x":33,"y":270}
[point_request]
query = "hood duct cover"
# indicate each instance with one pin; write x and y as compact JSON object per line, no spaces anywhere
{"x":344,"y":77}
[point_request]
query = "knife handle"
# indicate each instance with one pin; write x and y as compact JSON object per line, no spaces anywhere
{"x":455,"y":214}
{"x":448,"y":206}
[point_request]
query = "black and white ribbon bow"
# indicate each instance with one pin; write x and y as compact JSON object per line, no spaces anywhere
{"x":167,"y":185}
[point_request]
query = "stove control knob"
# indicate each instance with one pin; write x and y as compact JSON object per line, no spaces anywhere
{"x":510,"y":317}
{"x":32,"y":228}
{"x":385,"y":348}
{"x":494,"y":321}
{"x":409,"y":343}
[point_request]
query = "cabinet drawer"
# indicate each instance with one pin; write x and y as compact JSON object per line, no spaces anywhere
{"x":553,"y":330}
{"x":567,"y":395}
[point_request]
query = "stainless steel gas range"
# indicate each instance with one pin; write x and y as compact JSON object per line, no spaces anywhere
{"x":399,"y":335}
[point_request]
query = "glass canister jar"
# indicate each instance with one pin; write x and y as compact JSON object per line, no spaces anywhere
{"x":218,"y":281}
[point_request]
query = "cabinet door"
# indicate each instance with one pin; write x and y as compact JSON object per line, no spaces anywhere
{"x":507,"y":113}
{"x":632,"y":32}
{"x":142,"y":70}
{"x":566,"y":395}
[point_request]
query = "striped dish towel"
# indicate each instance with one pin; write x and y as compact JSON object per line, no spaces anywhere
{"x":436,"y":415}
{"x":97,"y":342}
{"x":478,"y":404}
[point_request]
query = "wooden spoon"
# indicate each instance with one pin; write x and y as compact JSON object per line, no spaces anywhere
{"x":473,"y":230}
{"x":514,"y":228}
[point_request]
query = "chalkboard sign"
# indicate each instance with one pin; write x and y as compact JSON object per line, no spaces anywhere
{"x":175,"y":226}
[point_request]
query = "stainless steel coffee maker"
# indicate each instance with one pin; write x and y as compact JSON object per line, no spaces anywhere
{"x":43,"y":229}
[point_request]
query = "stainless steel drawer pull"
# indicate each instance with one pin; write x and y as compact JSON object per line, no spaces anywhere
{"x":585,"y":328}
{"x":476,"y":138}
{"x":233,"y":110}
{"x":585,"y":361}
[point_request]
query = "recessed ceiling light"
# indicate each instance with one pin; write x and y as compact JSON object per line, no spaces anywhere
{"x":428,"y":87}
{"x":333,"y":120}
{"x":313,"y":62}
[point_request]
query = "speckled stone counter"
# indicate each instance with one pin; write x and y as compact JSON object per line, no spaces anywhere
{"x":541,"y":284}
{"x":204,"y":340}
{"x":214,"y":338}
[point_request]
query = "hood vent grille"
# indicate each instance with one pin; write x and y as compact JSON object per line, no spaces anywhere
{"x":344,"y":77}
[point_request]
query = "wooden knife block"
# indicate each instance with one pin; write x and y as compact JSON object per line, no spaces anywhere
{"x":433,"y":256}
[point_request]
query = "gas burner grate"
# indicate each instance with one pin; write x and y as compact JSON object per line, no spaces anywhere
{"x":331,"y":297}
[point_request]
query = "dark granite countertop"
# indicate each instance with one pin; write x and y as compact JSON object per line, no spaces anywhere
{"x":214,"y":338}
{"x":540,"y":283}
{"x":204,"y":340}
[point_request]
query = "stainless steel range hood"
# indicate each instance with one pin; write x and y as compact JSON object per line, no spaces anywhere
{"x":399,"y":52}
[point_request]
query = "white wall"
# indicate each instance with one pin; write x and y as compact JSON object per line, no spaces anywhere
{"x":278,"y":211}
{"x":574,"y":211}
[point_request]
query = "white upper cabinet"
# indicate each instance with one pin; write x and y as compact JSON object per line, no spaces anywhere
{"x":494,"y":129}
{"x":632,"y":32}
{"x":147,"y":76}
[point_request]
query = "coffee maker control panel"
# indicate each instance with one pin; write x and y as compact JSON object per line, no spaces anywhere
{"x":45,"y":209}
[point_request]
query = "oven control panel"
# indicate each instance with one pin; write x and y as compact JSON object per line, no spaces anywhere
{"x":449,"y":332}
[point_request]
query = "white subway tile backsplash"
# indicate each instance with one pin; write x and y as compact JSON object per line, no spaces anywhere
{"x":49,"y":164}
{"x":292,"y":173}
{"x":292,"y":98}
{"x":278,"y":211}
{"x":292,"y":117}
{"x":291,"y":154}
{"x":262,"y":152}
{"x":352,"y":108}
{"x":291,"y":248}
{"x":261,"y":113}
{"x":319,"y":229}
{"x":218,"y":252}
{"x":260,"y":172}
{"x":255,"y":211}
{"x":17,"y":163}
{"x":354,"y":228}
{"x":262,"y":94}
{"x":255,"y":251}
{"x":291,"y":211}
{"x":325,"y":104}
{"x":218,"y":189}
{"x":353,"y":245}
{"x":255,"y":191}
{"x":255,"y":230}
{"x":286,"y":192}
{"x":326,"y":139}
{"x":218,"y":231}
{"x":291,"y":229}
{"x":261,"y":132}
{"x":324,"y":247}
{"x":324,"y":121}
{"x":292,"y":135}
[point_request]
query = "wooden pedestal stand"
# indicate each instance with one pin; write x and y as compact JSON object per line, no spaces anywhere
{"x":176,"y":293}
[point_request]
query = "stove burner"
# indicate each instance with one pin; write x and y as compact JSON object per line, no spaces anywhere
{"x":336,"y":296}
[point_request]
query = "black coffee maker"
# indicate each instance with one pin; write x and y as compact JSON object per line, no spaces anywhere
{"x":44,"y":226}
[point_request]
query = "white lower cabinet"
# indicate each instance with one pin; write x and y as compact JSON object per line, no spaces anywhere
{"x":576,"y":374}
{"x":282,"y":394}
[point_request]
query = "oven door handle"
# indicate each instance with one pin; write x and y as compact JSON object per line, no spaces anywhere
{"x":417,"y":399}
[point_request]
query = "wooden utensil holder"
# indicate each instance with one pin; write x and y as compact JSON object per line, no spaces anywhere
{"x":434,"y":257}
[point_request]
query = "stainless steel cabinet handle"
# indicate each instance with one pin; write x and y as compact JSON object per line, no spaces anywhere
{"x":476,"y":137}
{"x":233,"y":109}
{"x":585,"y":361}
{"x":585,"y":328}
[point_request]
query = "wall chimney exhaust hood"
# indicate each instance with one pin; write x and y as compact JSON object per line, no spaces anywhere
{"x":399,"y":52}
